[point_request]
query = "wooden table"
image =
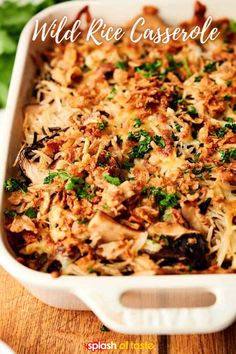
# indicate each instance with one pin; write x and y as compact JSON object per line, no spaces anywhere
{"x":31,"y":327}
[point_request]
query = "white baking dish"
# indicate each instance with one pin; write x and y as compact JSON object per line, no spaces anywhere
{"x":102,"y":294}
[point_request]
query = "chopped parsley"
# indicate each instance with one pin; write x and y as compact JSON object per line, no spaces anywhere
{"x":112,"y":93}
{"x":229,"y":119}
{"x":229,"y":83}
{"x":144,"y":144}
{"x":227,"y":98}
{"x":148,"y":69}
{"x":10,"y":213}
{"x":226,"y":155}
{"x":143,"y":147}
{"x":82,"y":192}
{"x":50,"y":178}
{"x":103,"y":125}
{"x":159,"y":141}
{"x":167,"y":217}
{"x":176,"y":99}
{"x":177,"y":127}
{"x":13,"y":185}
{"x":82,"y":221}
{"x":73,"y":183}
{"x":198,"y":79}
{"x":137,"y":135}
{"x":222,"y":131}
{"x":199,"y":171}
{"x":192,"y":112}
{"x":112,"y":180}
{"x":208,"y":68}
{"x":137,"y":122}
{"x":104,"y":160}
{"x":123,"y":65}
{"x":186,"y":65}
{"x":85,"y":68}
{"x":163,"y":199}
{"x":173,"y":64}
{"x":31,"y":213}
{"x":231,"y":126}
{"x":232,"y":26}
{"x":91,"y":270}
{"x":127,"y":165}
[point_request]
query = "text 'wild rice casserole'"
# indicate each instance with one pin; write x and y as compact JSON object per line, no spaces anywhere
{"x":129,"y":160}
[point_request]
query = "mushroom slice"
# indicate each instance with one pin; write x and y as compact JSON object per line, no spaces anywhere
{"x":168,"y":228}
{"x":30,"y":168}
{"x":195,"y":219}
{"x":23,"y":223}
{"x":109,"y":230}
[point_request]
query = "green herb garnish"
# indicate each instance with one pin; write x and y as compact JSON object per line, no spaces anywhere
{"x":112,"y":93}
{"x":220,"y":133}
{"x":229,"y":119}
{"x":123,"y":65}
{"x":103,"y":125}
{"x":137,"y":135}
{"x":143,"y":147}
{"x":50,"y":178}
{"x":113,"y":180}
{"x":127,"y":165}
{"x":82,"y":221}
{"x":226,"y":155}
{"x":82,"y":192}
{"x":163,"y":199}
{"x":31,"y":213}
{"x":13,"y":185}
{"x":208,"y":68}
{"x":173,"y":64}
{"x":198,"y":79}
{"x":192,"y":112}
{"x":177,"y":127}
{"x":149,"y":69}
{"x":10,"y":213}
{"x":227,"y":98}
{"x":198,"y":171}
{"x":138,"y":122}
{"x":186,"y":65}
{"x":73,"y":182}
{"x":159,"y":141}
{"x":232,"y":26}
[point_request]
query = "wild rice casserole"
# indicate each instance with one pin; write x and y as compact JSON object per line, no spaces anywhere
{"x":128,"y":165}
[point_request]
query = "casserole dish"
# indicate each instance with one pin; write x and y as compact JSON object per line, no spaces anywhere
{"x":101,"y":294}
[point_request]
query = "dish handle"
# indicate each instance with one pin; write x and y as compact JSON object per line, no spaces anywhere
{"x":107,"y":306}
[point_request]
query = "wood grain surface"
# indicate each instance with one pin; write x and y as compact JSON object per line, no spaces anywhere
{"x":30,"y":327}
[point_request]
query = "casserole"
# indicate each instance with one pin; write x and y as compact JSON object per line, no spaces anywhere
{"x":106,"y":303}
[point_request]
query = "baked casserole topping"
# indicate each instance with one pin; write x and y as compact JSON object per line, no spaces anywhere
{"x":128,"y":165}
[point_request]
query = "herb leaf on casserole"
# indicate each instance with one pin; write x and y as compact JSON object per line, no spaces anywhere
{"x":13,"y":185}
{"x":31,"y":213}
{"x":113,"y":180}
